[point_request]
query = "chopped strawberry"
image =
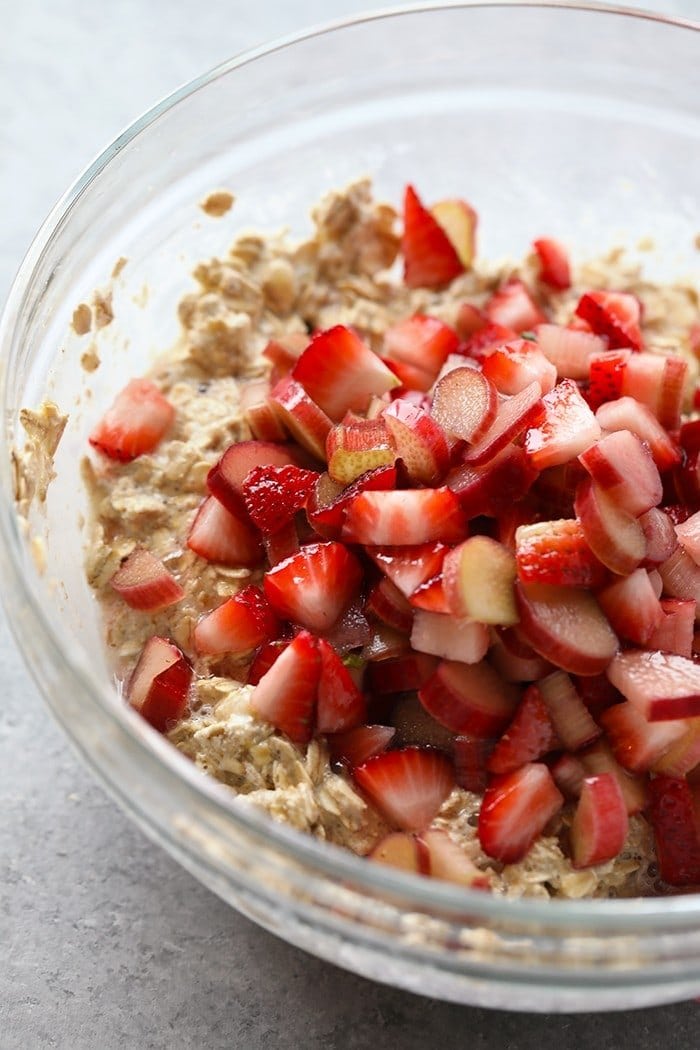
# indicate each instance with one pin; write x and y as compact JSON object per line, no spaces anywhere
{"x":286,"y":694}
{"x":135,"y":423}
{"x":301,"y":416}
{"x":430,"y":259}
{"x":226,"y":478}
{"x":567,"y":429}
{"x":528,"y":737}
{"x":606,"y":372}
{"x":485,"y":339}
{"x":356,"y":446}
{"x":512,"y":306}
{"x":407,"y":786}
{"x":470,"y":320}
{"x":264,"y":659}
{"x":515,"y":365}
{"x":636,"y":743}
{"x":238,"y":626}
{"x":616,"y":315}
{"x":514,"y":415}
{"x":557,"y":552}
{"x":673,"y":818}
{"x":329,"y":500}
{"x":409,"y":567}
{"x":355,"y":746}
{"x":402,"y":674}
{"x":431,"y":596}
{"x":406,"y":517}
{"x":469,"y":699}
{"x":569,"y":350}
{"x":471,"y":755}
{"x":144,"y":583}
{"x":424,"y":342}
{"x":600,"y":825}
{"x":220,"y":536}
{"x":313,"y":587}
{"x":273,"y":495}
{"x":419,"y":441}
{"x":554,"y":263}
{"x":494,"y":487}
{"x":341,"y":705}
{"x":515,"y":811}
{"x":159,"y":683}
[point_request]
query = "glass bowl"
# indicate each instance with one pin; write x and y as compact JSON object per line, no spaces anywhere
{"x":559,"y":119}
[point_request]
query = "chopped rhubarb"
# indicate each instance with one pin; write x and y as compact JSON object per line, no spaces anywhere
{"x":469,"y":699}
{"x":566,"y":626}
{"x":600,"y":825}
{"x":465,"y":403}
{"x":143,"y":582}
{"x":159,"y":684}
{"x":479,"y":575}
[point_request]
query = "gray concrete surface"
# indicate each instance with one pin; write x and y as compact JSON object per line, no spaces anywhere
{"x":105,"y":942}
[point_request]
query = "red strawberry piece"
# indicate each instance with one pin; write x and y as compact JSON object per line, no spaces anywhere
{"x":144,"y":582}
{"x":470,"y":699}
{"x":299,"y":414}
{"x":264,"y":659}
{"x":357,"y":446}
{"x":517,"y":364}
{"x":600,"y":825}
{"x":286,"y":694}
{"x":430,"y":259}
{"x":355,"y":746}
{"x":341,"y":705}
{"x":431,"y":596}
{"x":514,"y":415}
{"x":513,"y":306}
{"x":569,"y":350}
{"x":623,"y":468}
{"x":313,"y":587}
{"x":258,"y":412}
{"x":479,"y":345}
{"x":660,"y":536}
{"x":225,"y":479}
{"x":673,"y":818}
{"x":273,"y":495}
{"x":515,"y":810}
{"x":636,"y":743}
{"x":388,"y":604}
{"x":568,"y":773}
{"x":546,"y":617}
{"x":238,"y":626}
{"x":661,"y":685}
{"x":554,"y":263}
{"x":220,"y":536}
{"x":556,"y":552}
{"x":409,"y":567}
{"x":459,"y":220}
{"x":419,"y":441}
{"x":135,"y":423}
{"x":681,"y":576}
{"x":420,"y":341}
{"x":407,"y":786}
{"x":417,"y":380}
{"x":614,"y":536}
{"x":465,"y":403}
{"x":632,"y":607}
{"x":529,"y":736}
{"x":494,"y":487}
{"x":328,"y":500}
{"x":567,"y":429}
{"x":159,"y":683}
{"x":470,"y":320}
{"x":628,"y":414}
{"x":599,"y":759}
{"x":674,"y":634}
{"x":570,"y":717}
{"x":616,"y":315}
{"x":451,"y":637}
{"x":406,"y":517}
{"x":471,"y":755}
{"x":606,"y":372}
{"x":402,"y":674}
{"x":351,"y":630}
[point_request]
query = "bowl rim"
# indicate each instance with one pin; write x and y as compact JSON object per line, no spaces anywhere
{"x":633,"y":914}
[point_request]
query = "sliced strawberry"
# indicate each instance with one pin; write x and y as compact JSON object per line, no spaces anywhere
{"x":355,"y":746}
{"x":417,"y":380}
{"x":568,"y":427}
{"x":341,"y":705}
{"x":135,"y":423}
{"x":636,"y":743}
{"x":515,"y":414}
{"x":528,"y":737}
{"x":623,"y":468}
{"x":661,"y":685}
{"x":405,"y":517}
{"x":273,"y":495}
{"x":409,"y":567}
{"x":478,"y":581}
{"x":515,"y":811}
{"x":606,"y":372}
{"x":301,"y":416}
{"x":672,"y":815}
{"x":430,"y":596}
{"x":556,"y":552}
{"x":407,"y":786}
{"x":471,"y":755}
{"x":264,"y":659}
{"x":600,"y":759}
{"x":286,"y":694}
{"x":328,"y":501}
{"x":459,"y":220}
{"x":546,"y":617}
{"x":554,"y":263}
{"x":258,"y":412}
{"x":357,"y":446}
{"x":424,"y":342}
{"x":600,"y":825}
{"x":674,"y":634}
{"x":615,"y":537}
{"x":225,"y":479}
{"x":159,"y":683}
{"x":386,"y":602}
{"x":512,"y":306}
{"x":616,"y":315}
{"x":144,"y":583}
{"x":238,"y":626}
{"x":430,"y":259}
{"x":470,"y":699}
{"x":569,"y":350}
{"x":517,"y":364}
{"x":628,"y":414}
{"x":220,"y":536}
{"x":464,"y":403}
{"x":479,"y":345}
{"x":660,"y":536}
{"x":419,"y":441}
{"x":402,"y":850}
{"x":570,"y":717}
{"x":313,"y":587}
{"x":632,"y":607}
{"x":493,"y":488}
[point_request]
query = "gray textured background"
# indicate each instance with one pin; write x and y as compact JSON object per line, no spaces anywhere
{"x":104,"y":942}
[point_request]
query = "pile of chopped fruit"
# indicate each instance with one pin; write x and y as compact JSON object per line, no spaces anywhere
{"x":496,"y":524}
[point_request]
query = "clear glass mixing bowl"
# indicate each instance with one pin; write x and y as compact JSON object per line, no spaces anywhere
{"x":552,"y":119}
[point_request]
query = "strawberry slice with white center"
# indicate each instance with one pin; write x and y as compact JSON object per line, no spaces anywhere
{"x":339,"y":372}
{"x":430,"y":596}
{"x":448,"y":861}
{"x":486,"y":338}
{"x":273,"y":495}
{"x":135,"y":423}
{"x":470,"y":699}
{"x":400,"y":675}
{"x":528,"y":737}
{"x":451,"y":637}
{"x":674,"y":634}
{"x":264,"y":659}
{"x":566,"y":626}
{"x":301,"y":416}
{"x":557,"y":552}
{"x":409,"y":567}
{"x":313,"y":587}
{"x":286,"y":695}
{"x":627,"y":414}
{"x":514,"y":366}
{"x":407,"y":786}
{"x":429,"y":257}
{"x":568,"y":427}
{"x":357,"y":446}
{"x":420,"y":341}
{"x":494,"y":487}
{"x":459,"y":220}
{"x":621,"y":466}
{"x":159,"y":684}
{"x":554,"y":263}
{"x":341,"y":705}
{"x":569,"y":350}
{"x":329,"y":500}
{"x":600,"y":825}
{"x":616,"y":315}
{"x":661,"y":685}
{"x":632,"y":607}
{"x":674,"y":820}
{"x":513,"y":306}
{"x":220,"y":536}
{"x":144,"y":582}
{"x":615,"y":537}
{"x":478,"y":581}
{"x":419,"y":441}
{"x":464,"y":403}
{"x":226,"y":478}
{"x":570,"y":717}
{"x":405,"y":517}
{"x":515,"y":414}
{"x":238,"y":626}
{"x":355,"y":746}
{"x":515,"y":811}
{"x":636,"y":743}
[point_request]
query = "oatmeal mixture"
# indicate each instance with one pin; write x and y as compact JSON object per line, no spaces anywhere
{"x":268,"y":288}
